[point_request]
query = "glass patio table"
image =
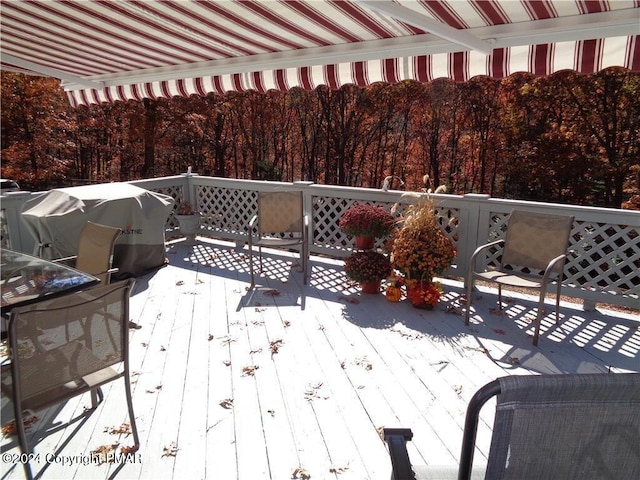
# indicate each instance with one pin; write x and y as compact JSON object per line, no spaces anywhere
{"x":25,"y":279}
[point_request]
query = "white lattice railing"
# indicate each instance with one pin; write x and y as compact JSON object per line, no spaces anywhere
{"x":604,"y":265}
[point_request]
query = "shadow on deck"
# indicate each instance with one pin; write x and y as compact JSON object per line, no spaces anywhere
{"x":285,"y":379}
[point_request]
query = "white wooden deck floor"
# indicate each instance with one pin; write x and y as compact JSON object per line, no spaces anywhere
{"x":292,"y":380}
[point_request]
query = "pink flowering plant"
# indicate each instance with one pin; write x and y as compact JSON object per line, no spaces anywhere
{"x":367,"y":266}
{"x":364,"y":220}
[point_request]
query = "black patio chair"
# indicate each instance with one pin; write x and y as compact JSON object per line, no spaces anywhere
{"x":572,"y":426}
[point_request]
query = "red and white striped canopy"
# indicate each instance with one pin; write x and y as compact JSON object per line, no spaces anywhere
{"x":106,"y":50}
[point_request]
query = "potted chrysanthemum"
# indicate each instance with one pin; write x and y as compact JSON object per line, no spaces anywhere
{"x":368,"y":268}
{"x":366,"y":222}
{"x":420,"y":250}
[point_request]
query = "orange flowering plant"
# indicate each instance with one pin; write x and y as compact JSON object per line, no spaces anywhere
{"x":420,"y":249}
{"x":427,"y":294}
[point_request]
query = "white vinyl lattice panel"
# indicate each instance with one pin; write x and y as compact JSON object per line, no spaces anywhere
{"x":327,"y":212}
{"x":226,"y":210}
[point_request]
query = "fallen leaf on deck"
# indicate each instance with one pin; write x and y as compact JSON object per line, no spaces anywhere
{"x":363,"y":362}
{"x":199,"y":280}
{"x":128,"y":450}
{"x":300,"y":473}
{"x":287,"y":323}
{"x":478,"y":349}
{"x":10,"y":428}
{"x":273,"y":292}
{"x":271,"y":412}
{"x":170,"y":451}
{"x":227,"y":340}
{"x":144,"y":344}
{"x":210,"y":337}
{"x":259,"y":309}
{"x":255,"y":350}
{"x":226,"y":403}
{"x":124,"y":429}
{"x":496,"y":311}
{"x":133,"y":325}
{"x":275,"y":345}
{"x":514,"y":360}
{"x":353,"y":300}
{"x":180,"y":282}
{"x":338,"y":469}
{"x":312,"y":391}
{"x":163,"y":348}
{"x":458,"y":390}
{"x":499,"y":331}
{"x":249,"y":370}
{"x":102,"y":453}
{"x":454,"y":310}
{"x":226,"y":363}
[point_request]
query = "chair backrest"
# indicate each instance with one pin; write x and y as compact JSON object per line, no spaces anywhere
{"x":571,"y":426}
{"x":280,"y":212}
{"x":61,"y":347}
{"x":534,"y":239}
{"x":95,"y":249}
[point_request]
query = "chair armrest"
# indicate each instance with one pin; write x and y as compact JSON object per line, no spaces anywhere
{"x":252,"y":224}
{"x":472,"y":261}
{"x":397,"y":439}
{"x":549,"y":270}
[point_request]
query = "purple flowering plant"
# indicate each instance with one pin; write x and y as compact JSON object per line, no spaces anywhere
{"x":367,"y":266}
{"x":364,"y":220}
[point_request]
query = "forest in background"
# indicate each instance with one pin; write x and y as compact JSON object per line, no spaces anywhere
{"x":566,"y":138}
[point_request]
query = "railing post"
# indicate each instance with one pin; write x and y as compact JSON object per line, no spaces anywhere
{"x":307,"y":207}
{"x":473,"y":229}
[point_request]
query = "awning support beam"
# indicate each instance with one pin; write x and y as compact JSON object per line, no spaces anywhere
{"x":49,"y":72}
{"x":431,"y":25}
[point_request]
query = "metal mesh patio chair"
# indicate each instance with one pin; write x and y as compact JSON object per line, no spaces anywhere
{"x":95,"y":251}
{"x":546,"y":427}
{"x":280,"y":223}
{"x":61,"y":349}
{"x":533,"y":256}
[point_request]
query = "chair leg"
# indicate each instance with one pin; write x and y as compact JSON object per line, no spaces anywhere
{"x":253,"y":282}
{"x":132,"y":418}
{"x":499,"y":297}
{"x":469,"y":296}
{"x":536,"y":333}
{"x":22,"y":438}
{"x":559,"y":287}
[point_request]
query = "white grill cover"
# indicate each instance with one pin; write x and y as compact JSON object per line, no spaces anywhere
{"x":55,"y":219}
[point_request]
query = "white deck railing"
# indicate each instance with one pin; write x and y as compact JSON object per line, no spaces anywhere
{"x":604,"y":265}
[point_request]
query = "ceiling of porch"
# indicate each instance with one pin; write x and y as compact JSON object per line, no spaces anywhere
{"x":106,"y":51}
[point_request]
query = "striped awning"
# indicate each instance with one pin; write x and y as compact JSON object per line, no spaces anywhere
{"x":107,"y":50}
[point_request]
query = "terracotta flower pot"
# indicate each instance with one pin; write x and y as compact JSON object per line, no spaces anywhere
{"x":370,"y":287}
{"x":364,"y":243}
